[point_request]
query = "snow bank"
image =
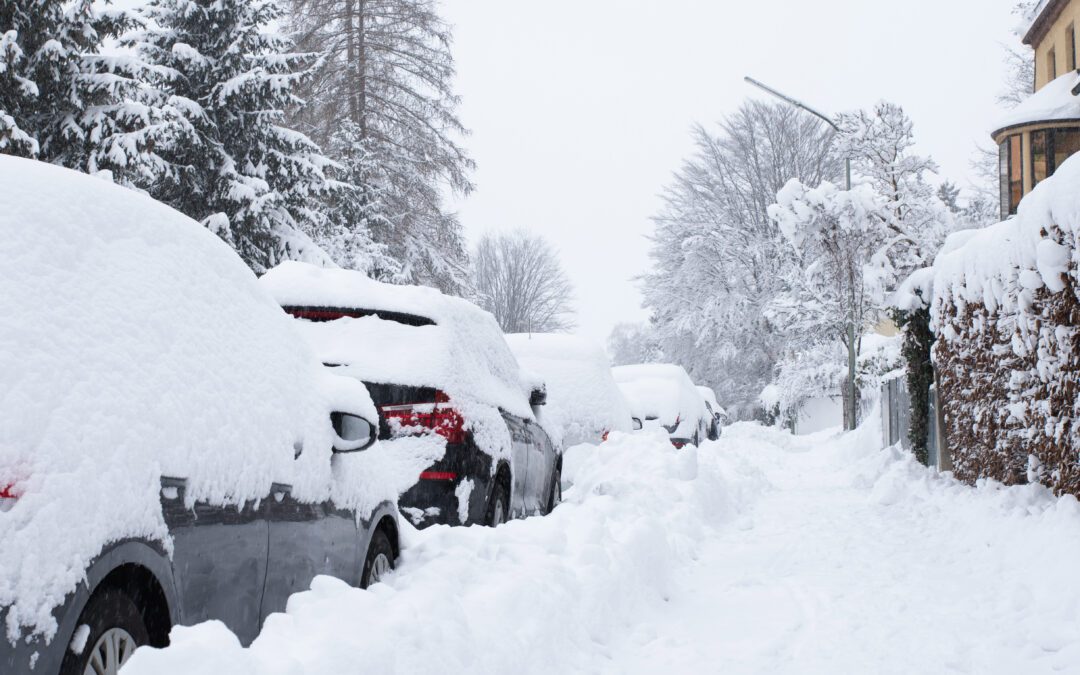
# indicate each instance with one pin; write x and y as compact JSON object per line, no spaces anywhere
{"x":665,"y":393}
{"x":135,"y":344}
{"x":759,"y":553}
{"x":583,"y":399}
{"x":1053,"y":103}
{"x":541,"y":595}
{"x":462,"y":353}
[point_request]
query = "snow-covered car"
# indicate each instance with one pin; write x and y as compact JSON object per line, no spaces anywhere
{"x":171,"y":449}
{"x":438,"y":368}
{"x":716,"y":411}
{"x":583,"y":401}
{"x":664,"y":395}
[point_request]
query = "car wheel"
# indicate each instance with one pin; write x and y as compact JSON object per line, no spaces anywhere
{"x":497,"y":513}
{"x":556,"y":490}
{"x":115,"y":629}
{"x":379,"y":561}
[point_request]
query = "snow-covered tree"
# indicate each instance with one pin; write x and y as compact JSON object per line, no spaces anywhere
{"x":388,"y":71}
{"x":520,"y":280}
{"x":841,"y":242}
{"x":718,"y":259}
{"x":61,"y":101}
{"x":259,"y":184}
{"x":633,"y":343}
{"x":880,"y":143}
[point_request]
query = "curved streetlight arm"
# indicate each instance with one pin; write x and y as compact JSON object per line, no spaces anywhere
{"x":795,"y":102}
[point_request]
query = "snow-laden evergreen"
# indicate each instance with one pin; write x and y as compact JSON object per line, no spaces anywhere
{"x":61,"y":101}
{"x":236,"y":167}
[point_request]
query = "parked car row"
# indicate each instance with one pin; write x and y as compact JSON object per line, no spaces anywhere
{"x":183,"y":442}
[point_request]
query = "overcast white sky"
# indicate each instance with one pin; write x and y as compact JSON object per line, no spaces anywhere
{"x":580,"y":109}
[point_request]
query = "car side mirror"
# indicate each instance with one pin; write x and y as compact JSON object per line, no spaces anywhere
{"x":538,"y":397}
{"x":352,"y":433}
{"x":637,"y":424}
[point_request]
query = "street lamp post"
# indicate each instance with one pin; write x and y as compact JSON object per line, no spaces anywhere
{"x":850,"y":416}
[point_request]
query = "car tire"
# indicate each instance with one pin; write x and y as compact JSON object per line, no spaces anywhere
{"x":379,"y":560}
{"x":556,"y":490}
{"x":498,"y":506}
{"x":116,"y":628}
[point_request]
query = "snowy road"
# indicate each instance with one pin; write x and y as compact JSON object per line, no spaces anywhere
{"x":759,"y":553}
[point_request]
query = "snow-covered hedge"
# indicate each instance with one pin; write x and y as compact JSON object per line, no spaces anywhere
{"x":1005,"y":310}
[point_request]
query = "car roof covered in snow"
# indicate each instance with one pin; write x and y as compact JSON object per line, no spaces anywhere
{"x":583,"y":398}
{"x":462,"y":352}
{"x":135,"y":344}
{"x":664,"y":392}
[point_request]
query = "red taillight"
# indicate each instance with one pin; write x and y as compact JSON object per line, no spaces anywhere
{"x":318,"y":314}
{"x":604,"y":437}
{"x":437,"y":417}
{"x":679,"y":445}
{"x":9,"y":494}
{"x":438,"y":475}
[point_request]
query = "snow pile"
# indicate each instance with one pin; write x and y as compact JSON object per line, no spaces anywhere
{"x":462,"y":353}
{"x":1054,"y":102}
{"x":664,"y":393}
{"x":135,"y":344}
{"x":583,"y":399}
{"x":537,"y":595}
{"x":759,"y":553}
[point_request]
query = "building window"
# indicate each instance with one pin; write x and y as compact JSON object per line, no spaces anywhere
{"x":1070,"y":46}
{"x":1012,"y":175}
{"x":1051,"y":65}
{"x":1041,"y":154}
{"x":1064,"y":144}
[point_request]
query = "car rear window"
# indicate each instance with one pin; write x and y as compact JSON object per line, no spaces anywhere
{"x":324,"y":314}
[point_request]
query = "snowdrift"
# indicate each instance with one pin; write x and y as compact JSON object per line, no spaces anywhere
{"x":759,"y":553}
{"x":136,"y":344}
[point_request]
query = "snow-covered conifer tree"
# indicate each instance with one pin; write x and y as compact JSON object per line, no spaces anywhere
{"x":62,"y":101}
{"x":239,"y":169}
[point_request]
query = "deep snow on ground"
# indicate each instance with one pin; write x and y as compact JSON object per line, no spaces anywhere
{"x":761,"y":552}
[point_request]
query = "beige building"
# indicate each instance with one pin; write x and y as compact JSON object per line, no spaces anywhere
{"x":1042,"y":132}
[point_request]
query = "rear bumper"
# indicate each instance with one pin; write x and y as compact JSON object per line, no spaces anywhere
{"x":436,"y":501}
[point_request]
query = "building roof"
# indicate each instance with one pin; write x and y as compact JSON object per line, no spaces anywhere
{"x":1056,"y":102}
{"x":1046,"y":13}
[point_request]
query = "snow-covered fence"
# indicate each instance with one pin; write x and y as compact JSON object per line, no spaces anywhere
{"x":1006,"y":310}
